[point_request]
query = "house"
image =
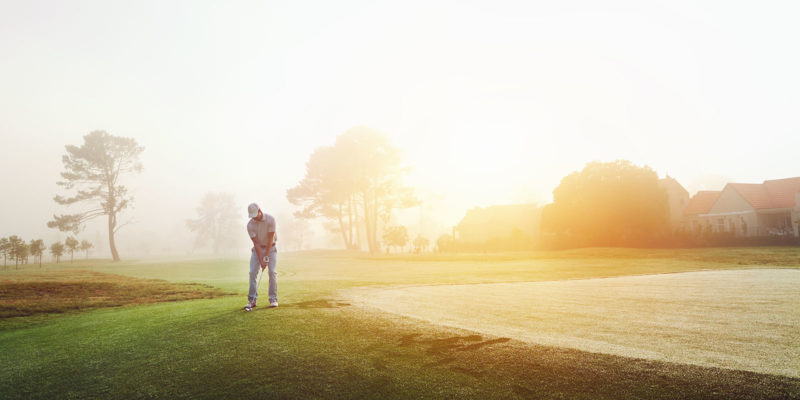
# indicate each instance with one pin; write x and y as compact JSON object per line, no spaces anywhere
{"x":482,"y":224}
{"x":748,"y":209}
{"x":678,"y":198}
{"x":694,"y":215}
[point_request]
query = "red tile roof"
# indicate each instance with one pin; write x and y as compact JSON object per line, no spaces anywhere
{"x":754,"y":193}
{"x":701,"y":202}
{"x":783,"y":192}
{"x":777,"y":193}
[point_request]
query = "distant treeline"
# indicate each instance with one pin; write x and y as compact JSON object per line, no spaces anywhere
{"x":13,"y":248}
{"x":611,"y":204}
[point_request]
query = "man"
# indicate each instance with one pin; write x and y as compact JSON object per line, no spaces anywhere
{"x":261,"y":229}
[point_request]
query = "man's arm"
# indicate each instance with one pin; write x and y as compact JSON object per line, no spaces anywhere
{"x":270,"y":234}
{"x":270,"y":240}
{"x":259,"y":252}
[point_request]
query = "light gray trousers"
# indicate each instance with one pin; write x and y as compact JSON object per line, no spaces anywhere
{"x":255,"y":268}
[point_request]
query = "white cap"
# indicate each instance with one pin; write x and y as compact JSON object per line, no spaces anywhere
{"x":252,"y":210}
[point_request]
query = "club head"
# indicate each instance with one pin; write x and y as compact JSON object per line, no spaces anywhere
{"x":248,"y":309}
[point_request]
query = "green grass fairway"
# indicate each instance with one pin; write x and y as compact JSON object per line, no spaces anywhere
{"x":319,"y":344}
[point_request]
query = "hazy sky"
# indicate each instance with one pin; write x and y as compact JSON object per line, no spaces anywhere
{"x":493,"y":102}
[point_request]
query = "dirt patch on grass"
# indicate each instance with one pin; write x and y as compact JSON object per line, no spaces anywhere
{"x":29,"y":294}
{"x":322,"y":303}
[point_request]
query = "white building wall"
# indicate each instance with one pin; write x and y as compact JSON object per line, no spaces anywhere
{"x":732,"y":213}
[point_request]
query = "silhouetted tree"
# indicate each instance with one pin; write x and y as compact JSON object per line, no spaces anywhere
{"x":328,"y":190}
{"x":37,"y":248}
{"x":57,"y":250}
{"x":396,"y":236}
{"x":71,"y":244}
{"x":15,"y":245}
{"x":85,"y":246}
{"x":216,"y":221}
{"x":24,"y":252}
{"x":607,"y":204}
{"x":5,"y":248}
{"x":94,"y":170}
{"x":356,"y":182}
{"x":444,"y":243}
{"x":420,"y":244}
{"x":294,"y":231}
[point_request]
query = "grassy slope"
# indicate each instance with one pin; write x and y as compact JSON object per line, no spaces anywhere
{"x":316,"y":346}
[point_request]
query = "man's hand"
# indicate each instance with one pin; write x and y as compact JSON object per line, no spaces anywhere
{"x":263,"y":265}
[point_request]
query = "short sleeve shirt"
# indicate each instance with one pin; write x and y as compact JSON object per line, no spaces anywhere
{"x":259,"y":229}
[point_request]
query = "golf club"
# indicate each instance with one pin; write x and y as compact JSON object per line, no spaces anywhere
{"x":247,"y":308}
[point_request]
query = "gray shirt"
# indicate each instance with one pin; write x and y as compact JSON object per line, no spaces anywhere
{"x":259,"y":229}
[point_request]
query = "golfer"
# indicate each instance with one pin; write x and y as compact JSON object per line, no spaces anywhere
{"x":261,"y":229}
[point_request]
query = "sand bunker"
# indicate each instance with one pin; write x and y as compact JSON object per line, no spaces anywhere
{"x":744,"y":319}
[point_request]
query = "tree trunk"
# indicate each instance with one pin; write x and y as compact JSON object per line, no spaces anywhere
{"x":217,"y":233}
{"x":341,"y":228}
{"x":357,"y":242}
{"x":112,"y":222}
{"x":350,"y":218}
{"x":375,"y":218}
{"x":367,"y":223}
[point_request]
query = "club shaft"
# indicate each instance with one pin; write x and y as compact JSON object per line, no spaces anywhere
{"x":259,"y":283}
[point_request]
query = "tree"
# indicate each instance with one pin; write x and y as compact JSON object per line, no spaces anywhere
{"x":85,"y":246}
{"x":328,"y":191}
{"x":93,"y":170}
{"x":356,"y":182}
{"x":421,"y":244}
{"x":24,"y":252}
{"x":216,"y":221}
{"x":396,"y":236}
{"x":57,"y":250}
{"x":15,"y":245}
{"x":444,"y":243}
{"x":294,"y":232}
{"x":5,"y":248}
{"x":607,"y":204}
{"x":37,"y":248}
{"x":71,"y":244}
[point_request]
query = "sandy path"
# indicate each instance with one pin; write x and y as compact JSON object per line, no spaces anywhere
{"x":744,"y":319}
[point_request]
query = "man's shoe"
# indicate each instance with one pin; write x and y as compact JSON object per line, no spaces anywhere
{"x":273,"y":304}
{"x":249,"y":306}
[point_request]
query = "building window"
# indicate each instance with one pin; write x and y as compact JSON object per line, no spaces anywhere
{"x":721,"y":225}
